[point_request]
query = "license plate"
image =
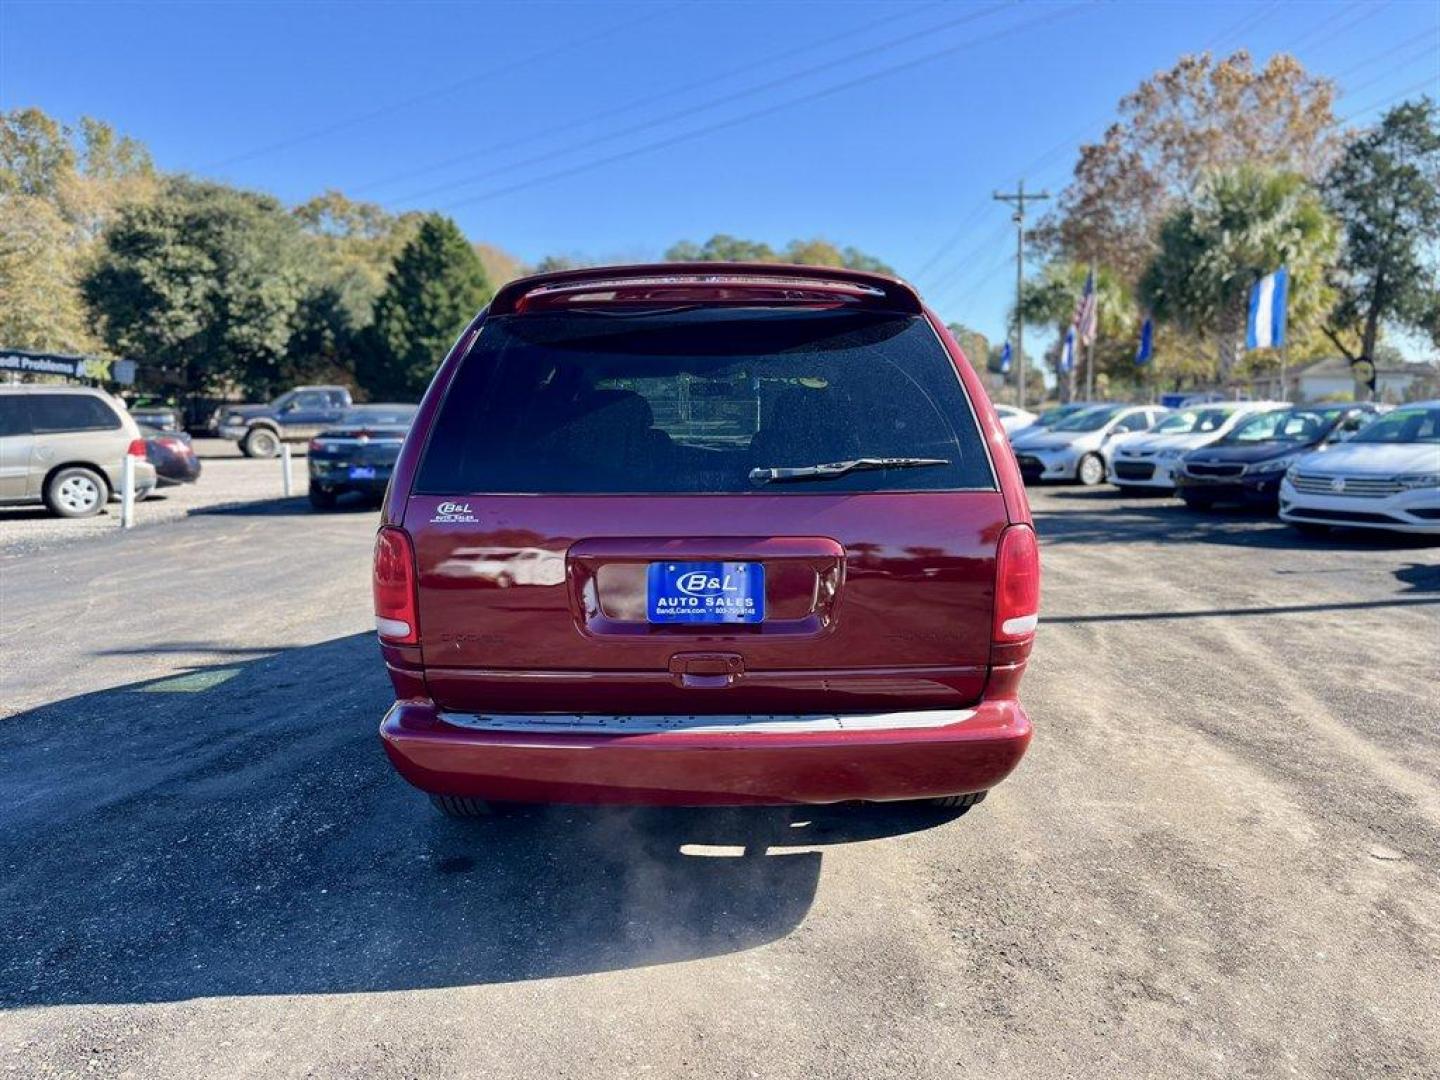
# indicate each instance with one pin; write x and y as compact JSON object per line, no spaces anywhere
{"x":706,"y":592}
{"x":362,"y":472}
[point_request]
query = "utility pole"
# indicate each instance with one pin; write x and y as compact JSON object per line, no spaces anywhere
{"x":1018,"y":198}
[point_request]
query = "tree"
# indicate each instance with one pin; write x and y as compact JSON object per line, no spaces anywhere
{"x":500,"y":266}
{"x":975,"y":346}
{"x":351,"y":247}
{"x":1243,"y":223}
{"x":435,"y":288}
{"x":816,"y":252}
{"x":721,"y":248}
{"x":1385,"y":189}
{"x":1051,"y":299}
{"x":59,"y":187}
{"x":1200,"y":117}
{"x":201,"y":286}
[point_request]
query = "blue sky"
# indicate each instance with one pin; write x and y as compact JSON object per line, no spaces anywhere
{"x":614,"y":129}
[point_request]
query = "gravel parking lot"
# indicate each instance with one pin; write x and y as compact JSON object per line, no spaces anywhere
{"x":227,"y":478}
{"x":1221,"y":858}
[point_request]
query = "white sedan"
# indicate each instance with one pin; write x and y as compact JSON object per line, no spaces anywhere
{"x":1148,"y":461}
{"x":1013,"y":419}
{"x":1076,"y":447}
{"x":1386,"y":477}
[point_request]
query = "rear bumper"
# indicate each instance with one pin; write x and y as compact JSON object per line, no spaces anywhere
{"x":792,"y":763}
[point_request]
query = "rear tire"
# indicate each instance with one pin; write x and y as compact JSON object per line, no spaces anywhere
{"x":961,"y":803}
{"x":76,"y":492}
{"x":461,"y":806}
{"x":260,"y":442}
{"x":321,"y":499}
{"x":1090,"y":471}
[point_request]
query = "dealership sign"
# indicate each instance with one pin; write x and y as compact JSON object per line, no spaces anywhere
{"x":72,"y":367}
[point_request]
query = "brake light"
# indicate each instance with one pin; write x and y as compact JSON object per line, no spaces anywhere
{"x":316,"y":444}
{"x":136,"y":448}
{"x":396,"y":618}
{"x":1017,"y":594}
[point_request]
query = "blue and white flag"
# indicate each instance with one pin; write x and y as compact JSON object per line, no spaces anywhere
{"x":1067,"y":351}
{"x":1005,"y":359}
{"x":1147,"y":343}
{"x":1266,"y":326}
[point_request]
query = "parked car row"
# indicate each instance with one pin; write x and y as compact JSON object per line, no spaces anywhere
{"x":1354,"y":465}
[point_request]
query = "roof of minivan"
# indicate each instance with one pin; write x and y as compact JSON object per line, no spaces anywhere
{"x":42,"y":388}
{"x":720,"y":283}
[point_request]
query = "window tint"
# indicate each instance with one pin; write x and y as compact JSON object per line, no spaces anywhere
{"x":378,"y":414}
{"x":1136,"y":422}
{"x":12,"y":415}
{"x":1091,"y":419}
{"x":1285,"y":425}
{"x":70,"y":412}
{"x":1406,"y":424}
{"x":312,"y":399}
{"x":691,"y":401}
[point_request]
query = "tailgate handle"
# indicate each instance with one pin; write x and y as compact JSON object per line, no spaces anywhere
{"x":706,"y":671}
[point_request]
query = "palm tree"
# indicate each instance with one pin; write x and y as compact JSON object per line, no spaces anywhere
{"x":1243,"y":223}
{"x":1051,"y":300}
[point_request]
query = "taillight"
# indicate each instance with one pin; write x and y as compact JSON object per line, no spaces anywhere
{"x":1017,"y":594}
{"x":396,"y":617}
{"x":172,"y":443}
{"x":316,"y":444}
{"x":136,"y":448}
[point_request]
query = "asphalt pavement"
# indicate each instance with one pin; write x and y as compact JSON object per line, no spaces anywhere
{"x":1221,"y":857}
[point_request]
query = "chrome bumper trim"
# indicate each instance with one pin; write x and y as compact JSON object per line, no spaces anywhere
{"x":769,"y":724}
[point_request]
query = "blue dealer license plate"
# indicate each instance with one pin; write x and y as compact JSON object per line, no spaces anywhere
{"x":362,"y":472}
{"x":706,"y":592}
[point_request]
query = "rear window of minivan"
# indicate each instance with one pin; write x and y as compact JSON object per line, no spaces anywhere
{"x":691,"y":400}
{"x":56,"y":413}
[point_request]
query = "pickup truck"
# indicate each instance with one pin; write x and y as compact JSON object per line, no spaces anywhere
{"x":295,"y":416}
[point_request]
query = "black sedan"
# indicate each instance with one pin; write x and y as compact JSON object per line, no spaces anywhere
{"x":172,"y":455}
{"x":157,"y":413}
{"x":357,"y":453}
{"x":1247,"y":465}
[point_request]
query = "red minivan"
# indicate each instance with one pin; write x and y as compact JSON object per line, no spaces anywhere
{"x":705,"y":534}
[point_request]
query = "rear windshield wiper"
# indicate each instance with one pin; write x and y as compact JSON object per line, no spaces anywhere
{"x":835,"y":469}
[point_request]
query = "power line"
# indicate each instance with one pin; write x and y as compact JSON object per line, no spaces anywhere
{"x":1246,"y":23}
{"x":439,"y":91}
{"x":1382,"y":77}
{"x":1425,"y":46}
{"x":647,"y":99}
{"x":691,"y":110}
{"x":1368,"y":10}
{"x":1423,"y":84}
{"x":1236,"y":29}
{"x":685,"y":136}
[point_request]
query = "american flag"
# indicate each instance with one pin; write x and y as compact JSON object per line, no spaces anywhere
{"x":1086,"y":311}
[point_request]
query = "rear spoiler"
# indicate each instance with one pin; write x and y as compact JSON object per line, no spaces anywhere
{"x":706,"y":282}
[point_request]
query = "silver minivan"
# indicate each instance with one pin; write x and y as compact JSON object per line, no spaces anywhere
{"x":65,"y":446}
